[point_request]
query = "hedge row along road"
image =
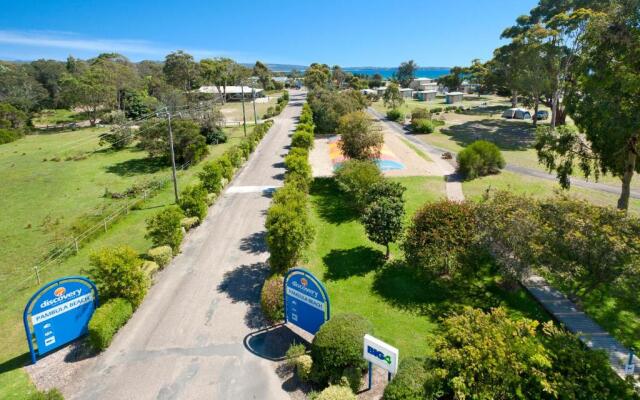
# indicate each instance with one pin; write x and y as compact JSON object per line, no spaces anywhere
{"x":186,"y":339}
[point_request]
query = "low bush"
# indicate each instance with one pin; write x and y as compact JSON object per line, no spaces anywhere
{"x":436,"y":110}
{"x":296,"y":350}
{"x":355,"y":178}
{"x":9,"y":135}
{"x":189,"y":223}
{"x":193,"y":201}
{"x":161,"y":255}
{"x":272,"y":298}
{"x":338,"y":345}
{"x":211,"y":177}
{"x":150,"y":267}
{"x":441,"y":237}
{"x":395,"y":115}
{"x":422,"y":126}
{"x":52,"y":394}
{"x":117,"y":272}
{"x":164,"y":228}
{"x":336,"y":392}
{"x":270,"y":113}
{"x":480,"y":158}
{"x":303,"y":366}
{"x":409,"y":382}
{"x":298,"y":164}
{"x":216,"y":136}
{"x":302,"y":139}
{"x":352,"y":378}
{"x":107,"y":320}
{"x":285,"y":95}
{"x":420,"y":113}
{"x":226,"y":166}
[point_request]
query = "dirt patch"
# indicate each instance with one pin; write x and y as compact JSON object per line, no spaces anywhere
{"x":397,"y":159}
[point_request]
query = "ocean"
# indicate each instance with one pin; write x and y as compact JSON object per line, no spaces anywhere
{"x":388,"y":72}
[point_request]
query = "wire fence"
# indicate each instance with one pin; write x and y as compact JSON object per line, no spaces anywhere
{"x":72,"y":245}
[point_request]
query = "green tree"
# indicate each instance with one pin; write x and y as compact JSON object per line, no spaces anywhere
{"x":604,"y":103}
{"x":406,"y":72}
{"x":338,"y":76}
{"x":49,"y":73}
{"x":189,"y":145}
{"x":392,"y":96}
{"x":382,"y":220}
{"x":264,"y":75}
{"x":329,"y":106}
{"x":164,"y":228}
{"x":359,"y":137}
{"x":453,"y":79}
{"x":317,"y":76}
{"x":19,"y":88}
{"x":90,"y":91}
{"x":181,"y":71}
{"x":355,"y":178}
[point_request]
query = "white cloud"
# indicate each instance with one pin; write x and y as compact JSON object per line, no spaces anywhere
{"x":70,"y":41}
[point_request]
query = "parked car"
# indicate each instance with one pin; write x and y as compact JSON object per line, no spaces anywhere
{"x":542,"y":115}
{"x":516,"y":113}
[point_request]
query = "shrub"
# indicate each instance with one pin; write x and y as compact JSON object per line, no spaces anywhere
{"x":9,"y":135}
{"x":303,"y":366}
{"x":118,"y":138}
{"x":193,"y":201}
{"x":226,"y":166}
{"x":161,"y":255}
{"x":215,"y":136}
{"x":289,"y":233}
{"x":436,"y":110}
{"x":272,"y":298}
{"x":338,"y":345}
{"x":352,"y":378}
{"x":384,"y":189}
{"x":329,"y":106}
{"x":270,"y":113}
{"x":52,"y":394}
{"x":302,"y":139}
{"x":306,"y":116}
{"x":298,"y":164}
{"x":355,"y":177}
{"x":189,"y":223}
{"x":395,"y":115}
{"x":359,"y":137}
{"x":296,"y":350}
{"x":335,"y":392}
{"x":164,"y":228}
{"x":420,"y":113}
{"x":150,"y":267}
{"x":117,"y":272}
{"x":422,"y":126}
{"x":409,"y":382}
{"x":211,"y":177}
{"x":480,"y":158}
{"x":440,"y":237}
{"x":285,"y":95}
{"x":107,"y":320}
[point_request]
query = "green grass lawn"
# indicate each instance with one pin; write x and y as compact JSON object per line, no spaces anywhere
{"x":403,"y":306}
{"x":58,"y":116}
{"x":492,"y":101}
{"x":232,"y":110}
{"x":64,"y":190}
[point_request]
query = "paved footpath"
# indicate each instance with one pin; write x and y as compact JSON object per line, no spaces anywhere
{"x":562,"y":309}
{"x":186,"y":339}
{"x":436,"y":153}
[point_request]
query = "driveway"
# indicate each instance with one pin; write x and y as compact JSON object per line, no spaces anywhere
{"x":186,"y":339}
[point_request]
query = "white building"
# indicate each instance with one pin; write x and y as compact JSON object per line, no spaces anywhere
{"x":426,"y":95}
{"x":423,"y":84}
{"x":369,"y":92}
{"x":406,"y":93}
{"x":232,"y":92}
{"x":454,"y":97}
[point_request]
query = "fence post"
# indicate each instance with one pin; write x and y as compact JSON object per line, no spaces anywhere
{"x":37,"y":274}
{"x":75,"y":244}
{"x":105,"y":224}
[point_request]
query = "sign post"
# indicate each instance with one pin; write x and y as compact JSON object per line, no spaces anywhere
{"x":377,"y":352}
{"x":58,"y":313}
{"x":306,"y":301}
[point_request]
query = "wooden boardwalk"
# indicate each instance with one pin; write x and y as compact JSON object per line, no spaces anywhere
{"x":576,"y":321}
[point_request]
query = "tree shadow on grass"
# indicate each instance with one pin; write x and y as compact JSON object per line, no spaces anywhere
{"x":411,"y":290}
{"x":507,"y":135}
{"x":358,"y":261}
{"x":243,"y":284}
{"x":137,"y":166}
{"x":331,"y":204}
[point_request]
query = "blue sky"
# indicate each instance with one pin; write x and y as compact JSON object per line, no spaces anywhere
{"x":346,"y":32}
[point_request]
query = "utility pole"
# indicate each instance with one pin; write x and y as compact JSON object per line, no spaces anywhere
{"x":173,"y":158}
{"x":244,"y":117}
{"x":255,"y":116}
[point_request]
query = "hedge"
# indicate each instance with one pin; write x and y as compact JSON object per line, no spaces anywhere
{"x":335,"y":392}
{"x":193,"y":201}
{"x":161,"y":255}
{"x":107,"y":320}
{"x":164,"y":228}
{"x":271,"y":298}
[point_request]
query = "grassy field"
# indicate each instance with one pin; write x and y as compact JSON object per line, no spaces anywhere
{"x":403,"y":307}
{"x":61,"y":191}
{"x":491,"y":101}
{"x":232,"y":110}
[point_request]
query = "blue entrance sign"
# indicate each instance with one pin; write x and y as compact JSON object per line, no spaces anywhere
{"x":306,"y":302}
{"x":58,"y":313}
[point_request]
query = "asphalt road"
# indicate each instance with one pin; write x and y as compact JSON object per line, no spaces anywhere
{"x":435,"y":151}
{"x":186,"y":339}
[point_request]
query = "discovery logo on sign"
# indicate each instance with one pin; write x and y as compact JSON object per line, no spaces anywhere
{"x":381,"y":354}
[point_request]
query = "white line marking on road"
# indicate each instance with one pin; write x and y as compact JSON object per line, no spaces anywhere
{"x":250,"y":189}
